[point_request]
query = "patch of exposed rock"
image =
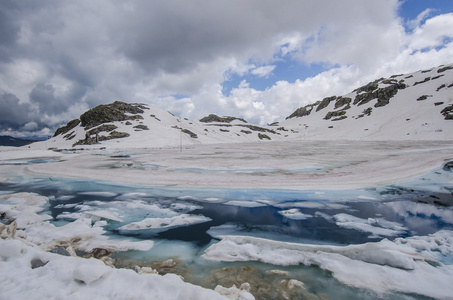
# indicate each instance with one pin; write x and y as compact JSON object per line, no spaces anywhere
{"x":383,"y":95}
{"x":116,"y":111}
{"x":303,"y":111}
{"x":90,"y":140}
{"x":447,"y":112}
{"x":64,"y":129}
{"x":212,"y":118}
{"x":364,"y":94}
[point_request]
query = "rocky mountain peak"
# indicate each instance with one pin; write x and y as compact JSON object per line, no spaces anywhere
{"x":116,"y":111}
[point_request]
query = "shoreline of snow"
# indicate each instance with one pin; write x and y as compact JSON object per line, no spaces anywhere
{"x":35,"y":274}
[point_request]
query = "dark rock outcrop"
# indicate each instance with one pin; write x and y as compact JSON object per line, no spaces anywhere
{"x":60,"y":251}
{"x":187,"y":131}
{"x":258,"y":128}
{"x":212,"y":118}
{"x":383,"y":95}
{"x":141,"y":127}
{"x":263,"y":136}
{"x":102,"y":128}
{"x":91,"y":140}
{"x":447,"y":112}
{"x":64,"y":129}
{"x":440,"y":70}
{"x":368,"y":87}
{"x":441,"y":87}
{"x":325,"y":102}
{"x":364,"y":94}
{"x":332,"y":114}
{"x":342,"y":101}
{"x":423,"y":97}
{"x":111,"y":113}
{"x":448,"y":166}
{"x":303,"y":111}
{"x":190,"y":133}
{"x":423,"y":81}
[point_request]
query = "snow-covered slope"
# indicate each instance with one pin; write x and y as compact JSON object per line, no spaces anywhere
{"x":417,"y":106}
{"x":138,"y":125}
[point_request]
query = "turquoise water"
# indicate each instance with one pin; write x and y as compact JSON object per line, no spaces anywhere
{"x":419,"y":207}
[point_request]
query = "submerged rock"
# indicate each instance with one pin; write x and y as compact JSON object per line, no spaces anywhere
{"x":98,"y":253}
{"x":60,"y":251}
{"x":274,"y":284}
{"x":448,"y":166}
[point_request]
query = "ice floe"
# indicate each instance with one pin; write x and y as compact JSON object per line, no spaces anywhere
{"x":166,"y":223}
{"x":99,"y":194}
{"x":103,"y":214}
{"x":245,"y":203}
{"x":294,"y":214}
{"x":407,"y":265}
{"x":376,"y":226}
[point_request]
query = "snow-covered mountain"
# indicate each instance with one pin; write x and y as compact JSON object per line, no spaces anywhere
{"x":417,"y":106}
{"x":137,"y":125}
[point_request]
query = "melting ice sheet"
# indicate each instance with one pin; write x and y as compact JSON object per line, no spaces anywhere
{"x":381,"y":240}
{"x":393,"y":240}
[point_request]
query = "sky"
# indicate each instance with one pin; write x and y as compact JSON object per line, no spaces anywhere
{"x":255,"y":59}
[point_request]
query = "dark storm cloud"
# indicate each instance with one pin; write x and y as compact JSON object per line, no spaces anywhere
{"x":43,"y":95}
{"x":9,"y":29}
{"x":13,"y":114}
{"x":176,"y":35}
{"x":63,"y":57}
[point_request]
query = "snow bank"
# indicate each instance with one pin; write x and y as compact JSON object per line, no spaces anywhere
{"x":30,"y":273}
{"x":406,"y":265}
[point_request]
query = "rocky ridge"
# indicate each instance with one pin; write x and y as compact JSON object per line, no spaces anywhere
{"x":412,"y":106}
{"x":141,"y":123}
{"x":409,"y":105}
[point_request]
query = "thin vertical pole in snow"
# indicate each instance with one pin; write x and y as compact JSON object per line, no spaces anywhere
{"x":180,"y":141}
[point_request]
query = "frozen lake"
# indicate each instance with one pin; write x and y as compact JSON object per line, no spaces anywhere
{"x":263,"y":213}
